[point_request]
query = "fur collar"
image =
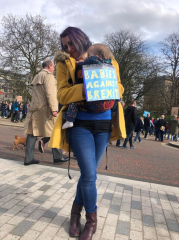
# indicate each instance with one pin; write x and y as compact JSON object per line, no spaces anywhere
{"x":61,"y":56}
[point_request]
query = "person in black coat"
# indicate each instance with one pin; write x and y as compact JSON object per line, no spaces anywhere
{"x":3,"y":109}
{"x":146,"y":125}
{"x":10,"y":110}
{"x":24,"y":111}
{"x":162,"y":125}
{"x":138,"y":128}
{"x":157,"y":128}
{"x":130,"y":121}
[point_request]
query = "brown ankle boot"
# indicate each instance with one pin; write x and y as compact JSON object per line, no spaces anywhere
{"x":90,"y":226}
{"x":75,"y":226}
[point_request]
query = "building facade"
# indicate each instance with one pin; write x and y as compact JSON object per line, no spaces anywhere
{"x":158,"y":98}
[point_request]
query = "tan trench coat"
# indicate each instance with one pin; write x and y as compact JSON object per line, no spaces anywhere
{"x":39,"y":120}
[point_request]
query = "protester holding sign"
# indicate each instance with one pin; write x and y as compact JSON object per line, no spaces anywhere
{"x":95,"y":83}
{"x":91,"y":132}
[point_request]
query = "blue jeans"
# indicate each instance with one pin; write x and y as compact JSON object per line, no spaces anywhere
{"x":176,"y":137}
{"x":137,"y":137}
{"x":3,"y":113}
{"x":20,"y":116}
{"x":129,"y":133}
{"x":88,"y":148}
{"x":151,"y":130}
{"x":168,"y":135}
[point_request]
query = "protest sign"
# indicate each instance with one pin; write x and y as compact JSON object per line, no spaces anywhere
{"x":19,"y":98}
{"x":145,"y":113}
{"x":100,"y":82}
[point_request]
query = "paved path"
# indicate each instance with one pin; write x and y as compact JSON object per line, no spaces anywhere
{"x":7,"y":122}
{"x":35,"y":203}
{"x":150,"y":161}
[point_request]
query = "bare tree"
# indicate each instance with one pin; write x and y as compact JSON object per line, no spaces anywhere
{"x":25,"y":42}
{"x":170,"y":51}
{"x":138,"y":70}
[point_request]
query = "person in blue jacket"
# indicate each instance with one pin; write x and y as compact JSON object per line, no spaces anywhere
{"x":15,"y":111}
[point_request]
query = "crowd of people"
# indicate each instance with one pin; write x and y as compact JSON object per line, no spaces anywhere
{"x":159,"y":128}
{"x":15,"y":111}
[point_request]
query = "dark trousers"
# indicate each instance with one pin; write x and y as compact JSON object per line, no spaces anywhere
{"x":57,"y":153}
{"x":161,"y":135}
{"x":3,"y":113}
{"x":30,"y":149}
{"x":137,"y":137}
{"x":45,"y":139}
{"x":129,"y":133}
{"x":10,"y":114}
{"x":23,"y":116}
{"x":157,"y":133}
{"x":151,"y":130}
{"x":118,"y":143}
{"x":146,"y":131}
{"x":14,"y":116}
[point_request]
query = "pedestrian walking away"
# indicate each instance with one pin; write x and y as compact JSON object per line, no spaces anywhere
{"x":9,"y":108}
{"x":146,"y":125}
{"x":174,"y":128}
{"x":15,"y":107}
{"x":162,"y":124}
{"x":42,"y":112}
{"x":3,"y":109}
{"x":130,"y":121}
{"x":138,"y":128}
{"x":157,"y":129}
{"x":24,"y":111}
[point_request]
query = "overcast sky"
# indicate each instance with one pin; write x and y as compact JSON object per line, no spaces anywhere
{"x":152,"y":19}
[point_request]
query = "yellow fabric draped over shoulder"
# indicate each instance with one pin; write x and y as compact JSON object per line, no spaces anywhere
{"x":118,"y":122}
{"x":68,"y":92}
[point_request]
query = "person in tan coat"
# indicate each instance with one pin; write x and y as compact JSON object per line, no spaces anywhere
{"x":42,"y":113}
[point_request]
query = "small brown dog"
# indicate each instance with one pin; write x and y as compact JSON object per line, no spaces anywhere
{"x":19,"y":140}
